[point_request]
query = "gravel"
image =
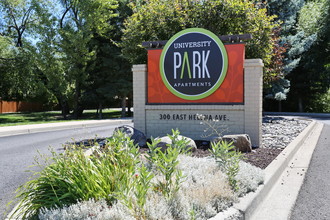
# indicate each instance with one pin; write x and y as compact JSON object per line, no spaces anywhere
{"x":279,"y":132}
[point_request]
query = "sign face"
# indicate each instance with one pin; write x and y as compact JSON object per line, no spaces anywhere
{"x":193,"y":64}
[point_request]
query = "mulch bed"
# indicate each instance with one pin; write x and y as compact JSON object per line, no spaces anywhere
{"x":262,"y":157}
{"x":259,"y":157}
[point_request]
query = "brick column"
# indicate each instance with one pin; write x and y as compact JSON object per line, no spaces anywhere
{"x":139,"y":96}
{"x":253,"y":71}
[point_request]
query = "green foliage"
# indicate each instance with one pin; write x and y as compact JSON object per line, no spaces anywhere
{"x":310,"y":16}
{"x":51,"y":51}
{"x":19,"y":77}
{"x":160,"y":20}
{"x":287,"y":12}
{"x":311,"y":79}
{"x":320,"y":103}
{"x":113,"y":174}
{"x":166,"y":164}
{"x":73,"y":176}
{"x":109,"y":72}
{"x":18,"y":18}
{"x":121,"y":176}
{"x":303,"y":24}
{"x":134,"y":196}
{"x":279,"y":89}
{"x":228,"y":159}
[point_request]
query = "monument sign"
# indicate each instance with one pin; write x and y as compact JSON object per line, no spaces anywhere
{"x":195,"y":73}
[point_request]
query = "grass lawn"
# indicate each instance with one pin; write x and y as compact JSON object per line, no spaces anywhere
{"x":11,"y":119}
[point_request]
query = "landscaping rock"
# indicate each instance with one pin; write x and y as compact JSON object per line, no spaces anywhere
{"x":137,"y":136}
{"x":241,"y":142}
{"x":165,"y":141}
{"x":278,"y":132}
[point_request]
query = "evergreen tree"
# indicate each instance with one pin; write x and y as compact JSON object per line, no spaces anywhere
{"x":295,"y":39}
{"x":311,"y":79}
{"x":110,"y":75}
{"x":302,"y":24}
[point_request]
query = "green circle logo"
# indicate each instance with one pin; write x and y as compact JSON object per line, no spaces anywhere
{"x":193,"y":63}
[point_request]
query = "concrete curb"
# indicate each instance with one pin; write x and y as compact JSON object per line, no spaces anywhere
{"x":249,"y":204}
{"x":281,"y":199}
{"x":299,"y":114}
{"x":36,"y":128}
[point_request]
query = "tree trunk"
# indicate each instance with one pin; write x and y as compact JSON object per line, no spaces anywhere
{"x":64,"y":108}
{"x":129,"y":106}
{"x":77,"y":111}
{"x":100,"y":110}
{"x":123,"y":107}
{"x":300,"y":105}
{"x":279,"y":106}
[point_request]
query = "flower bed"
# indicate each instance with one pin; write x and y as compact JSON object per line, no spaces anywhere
{"x":121,"y":183}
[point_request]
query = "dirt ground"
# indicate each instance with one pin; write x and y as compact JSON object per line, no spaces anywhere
{"x":259,"y":157}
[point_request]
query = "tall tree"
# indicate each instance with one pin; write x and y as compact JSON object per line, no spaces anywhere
{"x":311,"y":79}
{"x":301,"y":24}
{"x":287,"y":12}
{"x":77,"y":23}
{"x":65,"y":48}
{"x":110,"y":75}
{"x":50,"y":63}
{"x":159,"y":20}
{"x":19,"y":80}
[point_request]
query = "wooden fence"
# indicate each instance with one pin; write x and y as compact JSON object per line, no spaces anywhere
{"x":15,"y":106}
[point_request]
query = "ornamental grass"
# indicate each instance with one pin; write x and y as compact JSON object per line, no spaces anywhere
{"x":119,"y":183}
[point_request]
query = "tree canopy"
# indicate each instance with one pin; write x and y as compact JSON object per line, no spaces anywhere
{"x":78,"y":53}
{"x":159,"y":20}
{"x":52,"y":50}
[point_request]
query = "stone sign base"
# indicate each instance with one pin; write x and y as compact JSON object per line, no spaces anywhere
{"x":159,"y":120}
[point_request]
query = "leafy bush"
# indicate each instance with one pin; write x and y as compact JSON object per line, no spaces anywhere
{"x":228,"y":159}
{"x":248,"y":178}
{"x":203,"y":194}
{"x":91,"y":209}
{"x":119,"y":183}
{"x":73,"y":176}
{"x":165,"y":164}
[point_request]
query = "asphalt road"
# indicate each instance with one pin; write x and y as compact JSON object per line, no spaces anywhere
{"x":313,"y":201}
{"x":17,"y":153}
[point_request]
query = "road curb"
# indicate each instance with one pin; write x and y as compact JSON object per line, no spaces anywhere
{"x":249,"y":204}
{"x":36,"y":128}
{"x":298,"y":114}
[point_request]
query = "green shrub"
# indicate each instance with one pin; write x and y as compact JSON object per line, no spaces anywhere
{"x":165,"y":164}
{"x":228,"y":159}
{"x":70,"y":177}
{"x":119,"y":183}
{"x":204,"y":193}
